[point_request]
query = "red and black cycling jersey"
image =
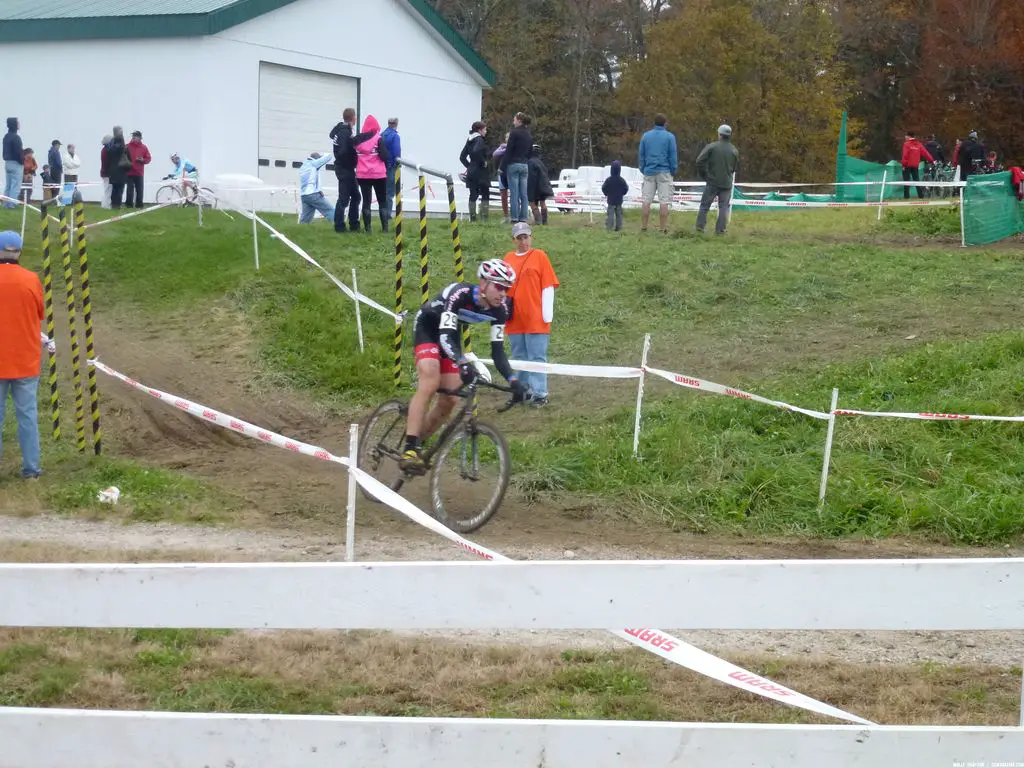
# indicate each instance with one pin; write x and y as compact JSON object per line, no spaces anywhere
{"x":438,"y":322}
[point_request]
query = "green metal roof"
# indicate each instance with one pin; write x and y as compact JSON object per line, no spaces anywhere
{"x":54,"y":20}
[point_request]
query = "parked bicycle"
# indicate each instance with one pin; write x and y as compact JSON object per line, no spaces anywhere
{"x":468,"y":462}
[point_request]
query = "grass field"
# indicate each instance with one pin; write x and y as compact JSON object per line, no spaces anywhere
{"x":893,"y":313}
{"x":788,"y":305}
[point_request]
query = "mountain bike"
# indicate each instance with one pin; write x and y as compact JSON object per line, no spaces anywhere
{"x":468,"y":462}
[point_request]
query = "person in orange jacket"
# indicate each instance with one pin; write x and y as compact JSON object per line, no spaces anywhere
{"x":913,"y":151}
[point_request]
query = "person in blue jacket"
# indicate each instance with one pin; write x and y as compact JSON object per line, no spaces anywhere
{"x":393,"y":144}
{"x":659,"y":162}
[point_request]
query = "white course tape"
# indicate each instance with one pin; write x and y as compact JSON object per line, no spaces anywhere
{"x":710,"y":386}
{"x":561,"y":369}
{"x":344,"y":288}
{"x":152,"y":208}
{"x":661,"y":643}
{"x":926,"y":416}
{"x":226,"y":421}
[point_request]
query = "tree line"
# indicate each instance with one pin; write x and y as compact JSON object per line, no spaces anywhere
{"x":780,"y":72}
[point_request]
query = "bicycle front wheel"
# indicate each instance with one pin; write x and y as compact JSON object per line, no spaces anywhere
{"x":470,"y":475}
{"x":167,"y":193}
{"x":381,"y":439}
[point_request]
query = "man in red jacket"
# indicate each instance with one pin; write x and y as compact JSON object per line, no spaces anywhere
{"x":21,"y":315}
{"x":139,"y":153}
{"x":913,"y":151}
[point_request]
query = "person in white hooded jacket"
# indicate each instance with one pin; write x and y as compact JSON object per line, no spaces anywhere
{"x":313,"y":198}
{"x":71,"y":161}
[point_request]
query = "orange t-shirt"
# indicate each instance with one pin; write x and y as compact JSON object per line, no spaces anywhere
{"x":534,"y":273}
{"x":21,"y":316}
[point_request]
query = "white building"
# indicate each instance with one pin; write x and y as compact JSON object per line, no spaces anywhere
{"x":236,"y":86}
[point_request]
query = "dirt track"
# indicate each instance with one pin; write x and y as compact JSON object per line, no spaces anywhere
{"x":299,"y":503}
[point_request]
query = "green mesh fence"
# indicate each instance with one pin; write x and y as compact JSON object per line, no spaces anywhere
{"x":854,"y":169}
{"x":991,"y":209}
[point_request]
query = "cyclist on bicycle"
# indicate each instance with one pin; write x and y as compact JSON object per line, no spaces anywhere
{"x":187,"y":172}
{"x":440,"y":361}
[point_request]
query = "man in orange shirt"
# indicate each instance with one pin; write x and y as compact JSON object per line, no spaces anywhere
{"x":533,"y":307}
{"x":21,"y":315}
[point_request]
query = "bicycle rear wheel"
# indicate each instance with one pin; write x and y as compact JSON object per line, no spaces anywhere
{"x":470,"y":475}
{"x":167,"y":193}
{"x":381,"y":439}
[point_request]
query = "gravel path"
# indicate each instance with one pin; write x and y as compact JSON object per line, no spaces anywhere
{"x":149,"y":541}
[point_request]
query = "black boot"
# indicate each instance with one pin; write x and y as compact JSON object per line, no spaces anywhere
{"x":383,"y":221}
{"x":544,"y":216}
{"x":366,"y":221}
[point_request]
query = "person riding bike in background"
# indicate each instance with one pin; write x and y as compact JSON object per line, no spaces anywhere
{"x":440,"y":361}
{"x":184,"y":170}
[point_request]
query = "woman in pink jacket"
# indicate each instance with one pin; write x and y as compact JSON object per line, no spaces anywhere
{"x":372,"y":172}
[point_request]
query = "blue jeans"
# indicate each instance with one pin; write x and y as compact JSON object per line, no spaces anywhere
{"x":23,"y":392}
{"x":312,"y":203}
{"x":12,"y":183}
{"x":532,"y":347}
{"x":518,"y":204}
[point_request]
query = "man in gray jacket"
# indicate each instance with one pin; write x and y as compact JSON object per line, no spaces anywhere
{"x":716,"y":164}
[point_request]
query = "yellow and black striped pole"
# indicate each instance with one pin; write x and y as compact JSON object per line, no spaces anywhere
{"x":399,"y":327}
{"x":69,"y":287}
{"x":460,"y":273}
{"x":424,"y":267}
{"x":48,"y":300}
{"x":90,"y":349}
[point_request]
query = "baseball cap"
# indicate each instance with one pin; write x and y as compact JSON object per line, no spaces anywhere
{"x":137,"y":133}
{"x":521,"y":228}
{"x":724,"y":130}
{"x":10,"y":241}
{"x":972,"y":135}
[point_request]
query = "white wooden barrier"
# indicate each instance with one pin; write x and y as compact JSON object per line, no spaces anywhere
{"x":844,"y":594}
{"x":36,"y":738}
{"x":944,"y":594}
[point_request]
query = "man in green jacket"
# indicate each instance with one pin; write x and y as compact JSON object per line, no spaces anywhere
{"x":716,"y":164}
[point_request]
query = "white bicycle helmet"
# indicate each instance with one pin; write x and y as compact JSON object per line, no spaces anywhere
{"x":497,"y":271}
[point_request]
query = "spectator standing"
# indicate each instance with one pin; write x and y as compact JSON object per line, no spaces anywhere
{"x":71,"y":162}
{"x":498,"y":157}
{"x":313,"y":198}
{"x":393,"y":142}
{"x":118,"y":164}
{"x":717,"y":164}
{"x":538,"y":186}
{"x":533,"y":308}
{"x":28,"y":160}
{"x":56,"y":163}
{"x":372,"y":172}
{"x":140,"y":158}
{"x":14,"y":170}
{"x":345,"y":170}
{"x":105,"y":171}
{"x":970,"y":150}
{"x":21,"y":316}
{"x":478,"y":180}
{"x":615,"y":188}
{"x":935,"y":149}
{"x":913,"y":151}
{"x":658,"y":162}
{"x":516,"y":166}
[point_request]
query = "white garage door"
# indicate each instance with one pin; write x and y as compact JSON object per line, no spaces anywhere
{"x":298,"y":108}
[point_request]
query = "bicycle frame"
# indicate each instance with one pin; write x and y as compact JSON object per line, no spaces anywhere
{"x":466,"y":413}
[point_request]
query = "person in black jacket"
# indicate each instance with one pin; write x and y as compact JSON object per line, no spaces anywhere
{"x":118,"y":163}
{"x":478,"y":180}
{"x":345,"y":170}
{"x":14,"y":168}
{"x":538,"y":186}
{"x":515,"y":163}
{"x":615,"y":188}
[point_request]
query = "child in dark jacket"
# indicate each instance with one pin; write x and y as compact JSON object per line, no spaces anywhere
{"x":615,"y":189}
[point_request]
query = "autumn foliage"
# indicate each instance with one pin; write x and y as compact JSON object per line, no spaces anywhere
{"x":781,"y":72}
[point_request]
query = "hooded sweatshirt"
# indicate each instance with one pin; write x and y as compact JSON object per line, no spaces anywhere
{"x":12,"y":142}
{"x":309,"y":174}
{"x":369,"y":163}
{"x":615,"y":188}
